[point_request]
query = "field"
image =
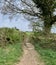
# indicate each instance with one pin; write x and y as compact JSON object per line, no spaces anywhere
{"x":10,"y":46}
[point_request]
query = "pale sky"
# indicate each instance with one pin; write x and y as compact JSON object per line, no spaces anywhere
{"x":21,"y":23}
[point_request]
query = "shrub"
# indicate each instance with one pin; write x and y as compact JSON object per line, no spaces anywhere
{"x":43,"y":41}
{"x":10,"y":36}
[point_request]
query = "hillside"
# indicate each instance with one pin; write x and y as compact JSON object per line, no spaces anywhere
{"x":10,"y":45}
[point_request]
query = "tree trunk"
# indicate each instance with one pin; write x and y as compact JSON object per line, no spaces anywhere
{"x":47,"y":28}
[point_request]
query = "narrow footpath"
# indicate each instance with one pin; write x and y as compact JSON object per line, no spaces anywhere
{"x":30,"y":56}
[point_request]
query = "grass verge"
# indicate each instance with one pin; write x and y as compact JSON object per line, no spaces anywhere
{"x":10,"y":54}
{"x":48,"y":55}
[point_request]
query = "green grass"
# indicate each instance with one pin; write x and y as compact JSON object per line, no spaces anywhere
{"x":10,"y":54}
{"x":46,"y":46}
{"x":10,"y":46}
{"x":48,"y":55}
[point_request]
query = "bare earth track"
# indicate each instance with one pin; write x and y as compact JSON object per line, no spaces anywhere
{"x":30,"y":56}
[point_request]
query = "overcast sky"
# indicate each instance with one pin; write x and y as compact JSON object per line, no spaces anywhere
{"x":21,"y":23}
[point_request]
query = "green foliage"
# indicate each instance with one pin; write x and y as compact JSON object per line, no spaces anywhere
{"x":10,"y":36}
{"x":46,"y":6}
{"x":46,"y":46}
{"x":48,"y":55}
{"x":46,"y":9}
{"x":44,"y":41}
{"x":10,"y":45}
{"x":11,"y":54}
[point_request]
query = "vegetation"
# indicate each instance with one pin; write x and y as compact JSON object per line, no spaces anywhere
{"x":46,"y":46}
{"x":10,"y":54}
{"x":41,"y":14}
{"x":10,"y":36}
{"x":48,"y":55}
{"x":47,"y":8}
{"x":35,"y":9}
{"x":10,"y":46}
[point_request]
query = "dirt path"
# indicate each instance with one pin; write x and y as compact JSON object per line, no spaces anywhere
{"x":30,"y":56}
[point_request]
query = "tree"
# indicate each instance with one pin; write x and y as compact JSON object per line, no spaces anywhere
{"x":47,"y":8}
{"x":35,"y":9}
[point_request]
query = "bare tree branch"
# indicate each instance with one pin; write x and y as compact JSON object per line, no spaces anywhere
{"x":10,"y":7}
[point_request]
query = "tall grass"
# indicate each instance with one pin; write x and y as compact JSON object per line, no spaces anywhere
{"x":47,"y":55}
{"x":46,"y":46}
{"x":10,"y":45}
{"x":11,"y":54}
{"x":10,"y":36}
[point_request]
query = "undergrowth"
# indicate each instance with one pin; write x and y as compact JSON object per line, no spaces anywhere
{"x":10,"y":45}
{"x":46,"y":46}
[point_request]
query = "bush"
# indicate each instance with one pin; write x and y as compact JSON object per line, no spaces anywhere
{"x":43,"y":41}
{"x":10,"y":36}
